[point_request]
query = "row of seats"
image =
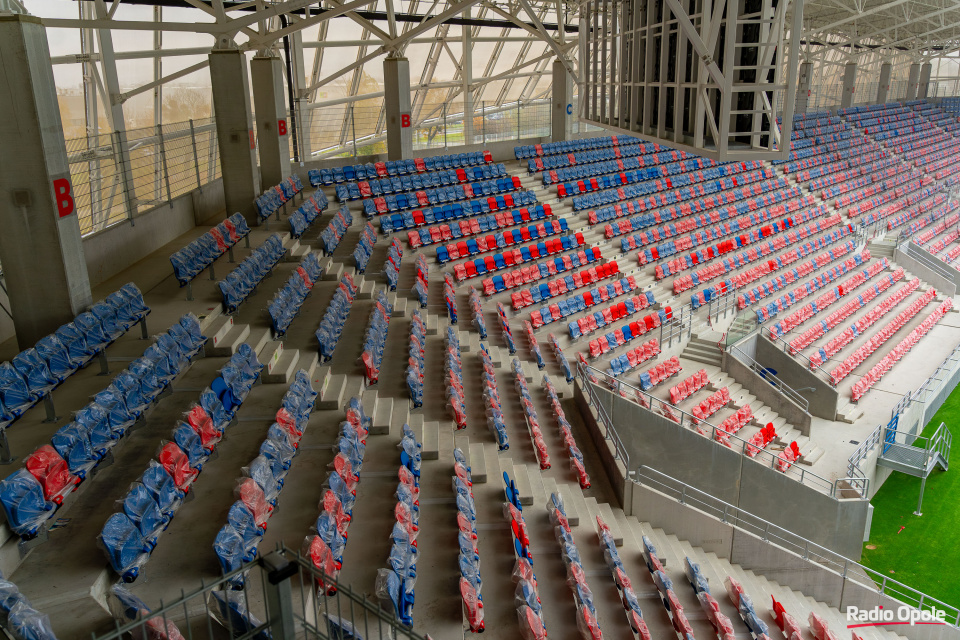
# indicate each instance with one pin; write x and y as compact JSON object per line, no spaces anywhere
{"x":634,"y":358}
{"x":391,"y":266}
{"x":566,"y":433}
{"x":371,"y":357}
{"x":517,"y":256}
{"x":258,"y":490}
{"x":450,"y":297}
{"x":917,"y":225}
{"x":668,"y":598}
{"x":548,"y":163}
{"x":482,"y":244}
{"x":453,"y":379}
{"x":872,"y":203}
{"x":878,"y":339}
{"x":456,"y":210}
{"x":331,"y":236}
{"x":190,"y":261}
{"x":587,"y":621}
{"x":492,"y":406}
{"x":440,"y":195}
{"x":22,"y":620}
{"x":301,"y":219}
{"x":534,"y":345}
{"x":276,"y":197}
{"x":35,"y":372}
{"x":682,"y":219}
{"x":710,"y":405}
{"x":689,"y":386}
{"x":243,"y":280}
{"x":672,"y":205}
{"x":806,"y":338}
{"x":559,"y":286}
{"x":347,"y":173}
{"x":373,"y":187}
{"x":873,"y":376}
{"x":522,"y":152}
{"x":744,"y":606}
{"x":31,"y":495}
{"x":628,"y":597}
{"x":597,"y":295}
{"x":530,"y":415}
{"x":807,"y":311}
{"x":721,"y":624}
{"x":395,"y":583}
{"x":415,"y":359}
{"x":505,"y":327}
{"x":560,"y":357}
{"x":474,"y":226}
{"x":527,"y":593}
{"x":617,"y":311}
{"x":719,"y":225}
{"x":926,"y":203}
{"x":130,"y":536}
{"x":802,"y":270}
{"x":468,"y":558}
{"x":568,"y":168}
{"x":640,"y":174}
{"x":660,"y":372}
{"x":476,"y":311}
{"x":532,"y":273}
{"x":325,"y":548}
{"x":335,"y":317}
{"x":944,"y":223}
{"x":759,"y":441}
{"x":421,"y":280}
{"x":364,"y":249}
{"x":286,"y":303}
{"x":733,"y":424}
{"x":622,"y":335}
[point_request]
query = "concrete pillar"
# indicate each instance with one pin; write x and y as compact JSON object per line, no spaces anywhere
{"x":803,"y":86}
{"x":563,"y":113}
{"x":883,"y":87}
{"x":270,"y":106}
{"x":849,"y":84}
{"x":238,"y":149}
{"x":396,"y":105}
{"x":40,"y":248}
{"x":913,"y":80}
{"x":924,"y":85}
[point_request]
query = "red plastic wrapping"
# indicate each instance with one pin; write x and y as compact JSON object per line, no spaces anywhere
{"x":201,"y":422}
{"x":286,"y":421}
{"x":588,"y":625}
{"x":341,"y":464}
{"x":531,"y":626}
{"x":582,"y":476}
{"x":819,"y":628}
{"x":354,"y":419}
{"x":463,"y":522}
{"x":251,"y":495}
{"x":51,"y":471}
{"x":638,"y":625}
{"x":472,"y":607}
{"x":734,"y":590}
{"x":332,"y":505}
{"x":176,"y":463}
{"x":322,"y":558}
{"x":681,"y":624}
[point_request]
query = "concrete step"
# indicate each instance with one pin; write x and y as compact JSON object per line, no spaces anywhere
{"x":333,"y":271}
{"x":217,"y":330}
{"x":478,"y":462}
{"x":231,"y":341}
{"x":382,"y":417}
{"x":366,"y":289}
{"x":524,"y":487}
{"x":332,"y":396}
{"x":285,"y":368}
{"x":431,"y":441}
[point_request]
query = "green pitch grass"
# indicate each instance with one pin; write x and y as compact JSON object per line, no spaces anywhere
{"x":921,"y":552}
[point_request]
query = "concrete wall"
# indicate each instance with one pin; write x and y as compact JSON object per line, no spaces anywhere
{"x":914,"y":266}
{"x":616,"y":469}
{"x":775,"y":563}
{"x":823,"y":400}
{"x":653,"y":441}
{"x":767,"y":393}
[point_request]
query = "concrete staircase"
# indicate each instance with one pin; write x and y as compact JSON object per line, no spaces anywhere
{"x":882,"y":248}
{"x":703,"y":351}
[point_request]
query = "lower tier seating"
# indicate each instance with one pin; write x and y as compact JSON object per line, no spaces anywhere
{"x":242,"y":281}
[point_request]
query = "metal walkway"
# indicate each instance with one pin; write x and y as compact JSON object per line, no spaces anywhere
{"x":917,"y":456}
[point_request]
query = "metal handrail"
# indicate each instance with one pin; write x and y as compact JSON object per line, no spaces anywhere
{"x":590,"y":376}
{"x":913,"y":251}
{"x":772,"y":378}
{"x":775,"y":535}
{"x":862,"y":451}
{"x":610,"y":433}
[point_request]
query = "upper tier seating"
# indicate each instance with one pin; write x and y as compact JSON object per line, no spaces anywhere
{"x":348,"y":173}
{"x":482,"y":244}
{"x":523,"y":152}
{"x":516,"y":256}
{"x":596,"y":296}
{"x":381,"y":205}
{"x":455,"y":210}
{"x":473,"y":226}
{"x":559,"y":286}
{"x":34,"y":373}
{"x":275,"y":198}
{"x":375,"y":187}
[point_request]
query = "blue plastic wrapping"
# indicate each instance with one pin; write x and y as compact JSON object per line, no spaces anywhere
{"x":232,"y":551}
{"x":244,"y":523}
{"x":142,"y":509}
{"x":23,"y":502}
{"x":124,"y":546}
{"x":35,"y":372}
{"x":14,"y":392}
{"x":27,"y":623}
{"x":230,"y":610}
{"x":160,"y":485}
{"x":267,"y":475}
{"x":73,"y":444}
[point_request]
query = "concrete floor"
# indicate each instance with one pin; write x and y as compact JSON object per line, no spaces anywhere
{"x":184,"y":555}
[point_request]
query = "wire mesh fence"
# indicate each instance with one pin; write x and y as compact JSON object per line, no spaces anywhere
{"x":118,"y":175}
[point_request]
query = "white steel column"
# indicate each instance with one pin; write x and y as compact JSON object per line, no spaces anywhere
{"x":803,"y":86}
{"x":883,"y":86}
{"x":849,"y":84}
{"x":924,"y":84}
{"x":40,"y":247}
{"x":913,"y":81}
{"x":562,"y":120}
{"x":266,"y":74}
{"x":396,"y":104}
{"x":466,"y":76}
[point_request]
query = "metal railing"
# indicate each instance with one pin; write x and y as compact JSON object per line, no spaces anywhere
{"x":862,"y":451}
{"x":590,"y":376}
{"x":938,"y":267}
{"x":680,"y":322}
{"x":118,"y":175}
{"x":770,"y":533}
{"x":282,"y":591}
{"x":770,"y":376}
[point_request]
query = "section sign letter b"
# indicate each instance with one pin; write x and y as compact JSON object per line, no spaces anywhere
{"x":62,"y":191}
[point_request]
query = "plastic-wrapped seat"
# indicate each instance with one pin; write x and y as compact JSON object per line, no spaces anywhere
{"x":24,"y":503}
{"x":124,"y":545}
{"x":143,"y":511}
{"x":51,"y":471}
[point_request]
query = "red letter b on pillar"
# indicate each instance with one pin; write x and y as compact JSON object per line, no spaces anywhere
{"x":61,"y":191}
{"x":404,"y":120}
{"x":281,"y":127}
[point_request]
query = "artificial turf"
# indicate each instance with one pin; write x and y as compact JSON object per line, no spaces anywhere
{"x":921,"y":552}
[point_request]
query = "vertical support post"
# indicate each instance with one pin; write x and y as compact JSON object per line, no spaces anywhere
{"x":266,"y":75}
{"x":279,"y":596}
{"x":353,"y":132}
{"x":562,"y":103}
{"x":196,"y":158}
{"x":924,"y":86}
{"x":123,"y":164}
{"x":466,"y":75}
{"x":803,"y":88}
{"x":483,"y":122}
{"x":396,"y":104}
{"x":913,"y":81}
{"x":163,"y":164}
{"x":923,"y":484}
{"x":883,"y":86}
{"x":443,"y":110}
{"x":849,"y":84}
